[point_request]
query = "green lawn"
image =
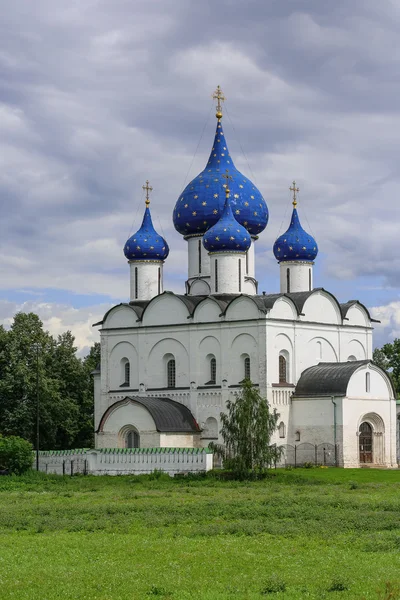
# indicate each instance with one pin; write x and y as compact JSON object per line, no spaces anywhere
{"x":319,"y":533}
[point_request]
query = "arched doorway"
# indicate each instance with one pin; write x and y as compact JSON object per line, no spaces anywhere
{"x":365,"y":443}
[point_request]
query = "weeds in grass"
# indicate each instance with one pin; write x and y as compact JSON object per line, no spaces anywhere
{"x":273,"y":585}
{"x":158,"y":591}
{"x":338,"y":585}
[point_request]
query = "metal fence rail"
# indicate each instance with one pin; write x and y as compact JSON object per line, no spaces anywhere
{"x":298,"y":455}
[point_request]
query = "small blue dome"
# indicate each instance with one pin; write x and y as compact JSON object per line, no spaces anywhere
{"x":227,"y":235}
{"x":295,"y":244}
{"x":146,"y":244}
{"x":202,"y":201}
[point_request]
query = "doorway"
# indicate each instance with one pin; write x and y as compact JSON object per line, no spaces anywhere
{"x":365,"y":442}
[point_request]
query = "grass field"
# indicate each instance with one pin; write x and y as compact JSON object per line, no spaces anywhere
{"x":318,"y":533}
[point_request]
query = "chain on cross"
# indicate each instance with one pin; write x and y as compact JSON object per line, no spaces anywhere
{"x":148,"y":189}
{"x":227,"y":177}
{"x":294,"y":189}
{"x":219,"y":97}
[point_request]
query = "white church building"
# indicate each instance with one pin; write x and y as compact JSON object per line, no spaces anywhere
{"x":170,"y":362}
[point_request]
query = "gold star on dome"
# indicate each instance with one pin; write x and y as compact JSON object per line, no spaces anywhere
{"x":224,"y":147}
{"x":236,"y":195}
{"x":245,"y":223}
{"x":217,"y":239}
{"x":222,"y":154}
{"x":195,"y":197}
{"x":225,"y":229}
{"x":255,"y":213}
{"x":151,"y":247}
{"x":246,"y":203}
{"x":290,"y":247}
{"x":215,"y":211}
{"x":215,"y":195}
{"x":179,"y":215}
{"x":194,"y":213}
{"x":186,"y":206}
{"x":204,"y":203}
{"x":237,"y":211}
{"x":137,"y":247}
{"x":252,"y":197}
{"x":231,"y":238}
{"x":304,"y":248}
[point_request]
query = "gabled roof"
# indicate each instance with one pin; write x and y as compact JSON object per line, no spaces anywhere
{"x":327,"y":379}
{"x":169,"y":416}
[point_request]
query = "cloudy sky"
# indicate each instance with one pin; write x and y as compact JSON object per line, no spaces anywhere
{"x":97,"y":96}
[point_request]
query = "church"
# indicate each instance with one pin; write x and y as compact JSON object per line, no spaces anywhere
{"x":170,"y":362}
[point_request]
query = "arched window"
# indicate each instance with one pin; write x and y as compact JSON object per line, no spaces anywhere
{"x":247,"y":262}
{"x":216,"y":275}
{"x":240,"y":274}
{"x":309,"y":279}
{"x":136,"y":282}
{"x":247,"y":371}
{"x":288,"y":280}
{"x":319,"y":350}
{"x":127,"y":373}
{"x":132,"y":439}
{"x":282,"y":369}
{"x":282,"y":429}
{"x":159,"y":280}
{"x":171,"y":373}
{"x":367,"y":382}
{"x":213,"y":370}
{"x":297,"y":436}
{"x":351,"y":358}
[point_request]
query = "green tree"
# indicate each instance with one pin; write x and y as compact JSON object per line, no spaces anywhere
{"x":15,"y":454}
{"x":90,"y":363}
{"x":247,"y":429}
{"x":388,"y":358}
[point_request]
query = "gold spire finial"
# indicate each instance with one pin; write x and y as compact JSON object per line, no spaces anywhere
{"x":148,"y":189}
{"x":227,"y":177}
{"x":218,"y":96}
{"x":294,"y":189}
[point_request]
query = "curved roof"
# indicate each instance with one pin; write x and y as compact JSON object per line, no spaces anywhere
{"x":227,"y":235}
{"x":345,"y":307}
{"x":295,"y":243}
{"x":201,"y":203}
{"x":146,"y":243}
{"x":169,"y":416}
{"x":327,"y":379}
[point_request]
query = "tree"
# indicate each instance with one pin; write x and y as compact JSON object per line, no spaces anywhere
{"x":388,"y":358}
{"x":247,"y":429}
{"x":15,"y":455}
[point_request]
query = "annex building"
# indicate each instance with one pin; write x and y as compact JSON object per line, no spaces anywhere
{"x":169,"y":362}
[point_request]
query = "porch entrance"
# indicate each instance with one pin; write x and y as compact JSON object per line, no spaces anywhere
{"x":365,"y":442}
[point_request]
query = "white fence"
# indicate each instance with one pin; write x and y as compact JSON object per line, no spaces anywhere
{"x":126,"y":461}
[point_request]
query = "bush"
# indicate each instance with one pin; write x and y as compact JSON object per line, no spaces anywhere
{"x":15,"y":455}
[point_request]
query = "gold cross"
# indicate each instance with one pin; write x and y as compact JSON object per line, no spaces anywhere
{"x":148,"y":189}
{"x":218,"y":95}
{"x":227,"y":177}
{"x":294,"y":189}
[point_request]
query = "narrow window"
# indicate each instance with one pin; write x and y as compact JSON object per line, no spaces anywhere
{"x":171,"y":373}
{"x":199,"y":256}
{"x":247,"y":262}
{"x":297,"y":436}
{"x":288,"y":280}
{"x":367,"y":382}
{"x":282,"y":432}
{"x":309,"y":280}
{"x":127,"y":373}
{"x":159,"y":280}
{"x":213,"y":370}
{"x":240,"y":275}
{"x":216,"y":276}
{"x":247,"y":368}
{"x":136,"y":282}
{"x":282,"y":370}
{"x":133,"y":440}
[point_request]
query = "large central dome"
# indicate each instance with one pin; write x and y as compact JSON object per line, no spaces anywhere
{"x":201,"y":203}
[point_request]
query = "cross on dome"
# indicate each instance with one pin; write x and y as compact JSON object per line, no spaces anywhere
{"x":148,"y":189}
{"x":227,"y":177}
{"x":294,"y":189}
{"x":218,"y":96}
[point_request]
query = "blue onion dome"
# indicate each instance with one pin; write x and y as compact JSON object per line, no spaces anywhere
{"x":227,"y":235}
{"x":146,"y":244}
{"x":202,"y":201}
{"x":295,"y":244}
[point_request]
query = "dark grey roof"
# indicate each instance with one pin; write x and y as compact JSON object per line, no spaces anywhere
{"x":169,"y":416}
{"x":327,"y":379}
{"x":347,"y":305}
{"x":264,"y":302}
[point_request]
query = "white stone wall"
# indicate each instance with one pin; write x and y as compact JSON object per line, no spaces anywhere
{"x":228,"y":278}
{"x":146,"y":279}
{"x":135,"y":461}
{"x":301,"y":276}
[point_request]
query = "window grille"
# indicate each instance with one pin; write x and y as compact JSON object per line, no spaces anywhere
{"x":171,"y":373}
{"x":247,"y":368}
{"x":127,"y":373}
{"x":282,"y":370}
{"x":213,"y":370}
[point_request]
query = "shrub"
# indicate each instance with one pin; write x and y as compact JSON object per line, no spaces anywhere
{"x":273,"y":585}
{"x":308,"y":465}
{"x":15,"y":454}
{"x":338,"y":585}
